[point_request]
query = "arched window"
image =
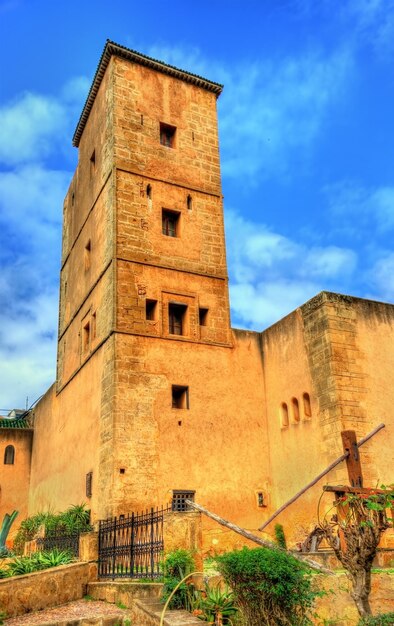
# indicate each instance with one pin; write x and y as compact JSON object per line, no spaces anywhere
{"x":296,"y":410}
{"x":9,"y":455}
{"x":284,"y":415}
{"x":307,"y":405}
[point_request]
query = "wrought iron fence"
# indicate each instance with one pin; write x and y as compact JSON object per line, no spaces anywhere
{"x":130,"y":546}
{"x":62,"y":542}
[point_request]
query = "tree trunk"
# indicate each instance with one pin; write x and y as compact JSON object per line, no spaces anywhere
{"x":361,"y":583}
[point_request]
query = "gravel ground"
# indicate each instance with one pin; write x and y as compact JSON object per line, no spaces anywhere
{"x":87,"y":609}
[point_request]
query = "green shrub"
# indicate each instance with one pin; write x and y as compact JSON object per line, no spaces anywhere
{"x":384,"y":619}
{"x":176,"y":566}
{"x":271,"y":587}
{"x":75,"y":519}
{"x":35,"y":562}
{"x":280,"y":536}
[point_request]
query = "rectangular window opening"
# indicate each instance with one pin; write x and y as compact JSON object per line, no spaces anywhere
{"x":180,"y":397}
{"x":167,"y":135}
{"x":176,"y":318}
{"x":150,"y":309}
{"x":170,"y":223}
{"x":94,"y":325}
{"x":202,"y":316}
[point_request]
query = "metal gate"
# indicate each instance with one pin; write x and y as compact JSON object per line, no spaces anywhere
{"x":130,"y":546}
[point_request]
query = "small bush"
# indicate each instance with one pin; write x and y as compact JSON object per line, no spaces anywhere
{"x":384,"y":619}
{"x":176,"y":566}
{"x":271,"y":587}
{"x":38,"y":561}
{"x":280,"y":536}
{"x":75,"y":519}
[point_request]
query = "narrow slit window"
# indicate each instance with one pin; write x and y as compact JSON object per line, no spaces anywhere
{"x":307,"y":405}
{"x":9,"y":455}
{"x":296,"y":410}
{"x":94,"y":325}
{"x":89,"y":484}
{"x":176,"y":319}
{"x":167,"y":135}
{"x":180,"y":397}
{"x":150,"y":309}
{"x":202,"y":316}
{"x":86,"y":337}
{"x":170,"y":223}
{"x":189,"y":203}
{"x":149,"y":192}
{"x":87,"y":255}
{"x":284,"y":415}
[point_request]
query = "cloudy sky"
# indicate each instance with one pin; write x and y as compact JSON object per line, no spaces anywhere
{"x":306,"y":129}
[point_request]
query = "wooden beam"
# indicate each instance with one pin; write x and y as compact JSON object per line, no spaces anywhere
{"x":359,"y":490}
{"x":353,"y":463}
{"x":321,"y":475}
{"x":255,"y":539}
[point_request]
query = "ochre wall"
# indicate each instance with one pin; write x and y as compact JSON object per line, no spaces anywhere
{"x":14,"y":479}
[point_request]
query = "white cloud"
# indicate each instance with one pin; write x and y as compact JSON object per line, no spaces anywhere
{"x":381,"y":277}
{"x":359,"y":209}
{"x":270,"y":274}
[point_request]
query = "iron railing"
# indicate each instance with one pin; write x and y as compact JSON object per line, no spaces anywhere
{"x":130,"y":546}
{"x":62,"y":542}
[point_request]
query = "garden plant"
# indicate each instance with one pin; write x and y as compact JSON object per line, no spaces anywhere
{"x":270,"y":586}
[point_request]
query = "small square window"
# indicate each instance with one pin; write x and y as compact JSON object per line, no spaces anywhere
{"x":150,"y":309}
{"x":202,"y":316}
{"x":170,"y":223}
{"x":176,"y":318}
{"x":167,"y":135}
{"x":180,"y":397}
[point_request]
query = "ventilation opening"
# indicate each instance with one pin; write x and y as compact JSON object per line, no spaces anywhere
{"x":189,"y":203}
{"x":179,"y":497}
{"x":86,"y":337}
{"x":180,"y":397}
{"x":89,"y":484}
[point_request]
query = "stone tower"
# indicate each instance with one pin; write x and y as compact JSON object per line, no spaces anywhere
{"x":143,"y":276}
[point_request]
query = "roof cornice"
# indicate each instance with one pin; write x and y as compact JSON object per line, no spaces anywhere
{"x":113,"y":49}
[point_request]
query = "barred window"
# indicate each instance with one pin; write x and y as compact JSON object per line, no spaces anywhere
{"x":179,"y":497}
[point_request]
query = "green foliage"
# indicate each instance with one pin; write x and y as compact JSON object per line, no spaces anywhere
{"x":215,"y":605}
{"x":5,"y":529}
{"x":176,"y":566}
{"x":280,"y":536}
{"x":271,"y":587}
{"x":38,"y":561}
{"x":383,"y":619}
{"x":120,"y":605}
{"x":74,"y":519}
{"x":3,"y":616}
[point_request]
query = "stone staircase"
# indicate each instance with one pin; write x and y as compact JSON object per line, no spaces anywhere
{"x":143,"y":601}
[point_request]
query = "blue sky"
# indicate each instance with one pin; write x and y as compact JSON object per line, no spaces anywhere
{"x":306,"y":125}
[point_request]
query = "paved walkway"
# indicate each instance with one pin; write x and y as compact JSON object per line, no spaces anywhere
{"x":71,"y":612}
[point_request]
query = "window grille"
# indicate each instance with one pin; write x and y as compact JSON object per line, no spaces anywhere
{"x":179,"y":497}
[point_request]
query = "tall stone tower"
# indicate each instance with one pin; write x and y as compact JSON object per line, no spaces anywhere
{"x":143,"y":273}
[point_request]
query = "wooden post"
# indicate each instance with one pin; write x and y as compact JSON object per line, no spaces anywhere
{"x":353,"y":463}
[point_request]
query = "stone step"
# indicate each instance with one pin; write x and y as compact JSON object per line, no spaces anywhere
{"x":76,"y":613}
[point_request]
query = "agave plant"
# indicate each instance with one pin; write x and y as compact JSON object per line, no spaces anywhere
{"x":217,"y":607}
{"x":5,"y":529}
{"x":53,"y":558}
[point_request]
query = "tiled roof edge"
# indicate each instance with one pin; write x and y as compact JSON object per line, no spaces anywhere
{"x":111,"y":48}
{"x":15,"y":423}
